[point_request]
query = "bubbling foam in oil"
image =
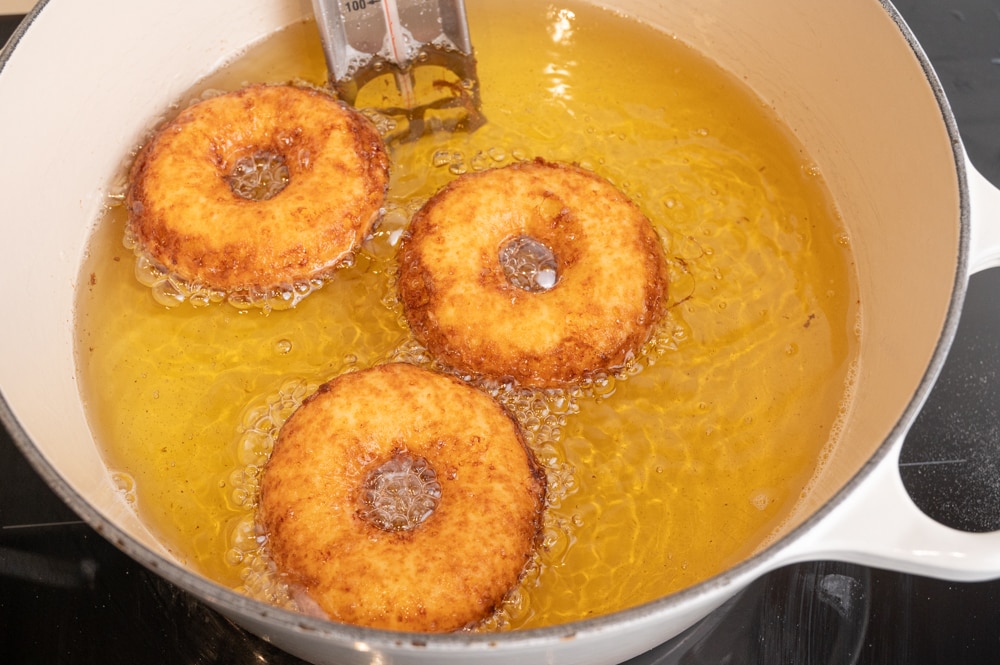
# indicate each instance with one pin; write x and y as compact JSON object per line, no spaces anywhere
{"x":660,"y":475}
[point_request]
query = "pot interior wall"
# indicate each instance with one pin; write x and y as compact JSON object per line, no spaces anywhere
{"x":73,"y":101}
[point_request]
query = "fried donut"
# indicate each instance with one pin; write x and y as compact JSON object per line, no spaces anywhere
{"x":257,"y":190}
{"x":400,"y":498}
{"x":537,"y":272}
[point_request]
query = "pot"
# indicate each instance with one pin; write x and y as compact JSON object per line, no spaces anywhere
{"x":872,"y":114}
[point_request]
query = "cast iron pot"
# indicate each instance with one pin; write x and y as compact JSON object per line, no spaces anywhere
{"x":81,"y":82}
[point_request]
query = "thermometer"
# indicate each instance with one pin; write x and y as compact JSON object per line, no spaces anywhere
{"x":422,"y":44}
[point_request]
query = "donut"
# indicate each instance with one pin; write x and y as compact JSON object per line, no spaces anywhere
{"x":256,"y":190}
{"x":400,"y":498}
{"x":538,"y":272}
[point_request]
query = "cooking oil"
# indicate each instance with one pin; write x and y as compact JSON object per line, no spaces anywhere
{"x":660,"y":476}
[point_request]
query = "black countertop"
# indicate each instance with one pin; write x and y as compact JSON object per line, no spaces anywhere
{"x":66,"y":596}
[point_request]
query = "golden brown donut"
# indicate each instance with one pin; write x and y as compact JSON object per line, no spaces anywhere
{"x":601,"y":252}
{"x":194,"y":207}
{"x":343,"y":529}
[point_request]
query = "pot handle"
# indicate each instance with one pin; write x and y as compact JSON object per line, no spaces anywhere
{"x":877,"y":524}
{"x":984,"y":200}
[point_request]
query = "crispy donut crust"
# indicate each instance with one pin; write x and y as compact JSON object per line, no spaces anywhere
{"x":455,"y":567}
{"x":461,"y":307}
{"x":184,"y":215}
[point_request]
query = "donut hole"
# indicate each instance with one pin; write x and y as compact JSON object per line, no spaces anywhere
{"x":529,"y":264}
{"x":400,"y":494}
{"x":259,"y":176}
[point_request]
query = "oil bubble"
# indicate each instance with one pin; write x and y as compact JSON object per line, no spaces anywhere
{"x":125,"y":484}
{"x":760,"y":500}
{"x":480,"y":161}
{"x":603,"y":384}
{"x":167,"y":294}
{"x":441,"y":158}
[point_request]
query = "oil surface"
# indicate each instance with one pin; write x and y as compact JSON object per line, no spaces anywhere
{"x":658,"y":478}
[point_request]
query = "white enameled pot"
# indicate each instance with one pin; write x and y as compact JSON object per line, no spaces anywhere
{"x":81,"y":82}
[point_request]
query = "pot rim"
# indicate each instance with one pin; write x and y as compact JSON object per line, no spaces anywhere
{"x":729,"y":580}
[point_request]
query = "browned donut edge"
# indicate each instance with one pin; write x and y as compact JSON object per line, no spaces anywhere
{"x":349,"y":557}
{"x":250,"y":265}
{"x":568,"y":363}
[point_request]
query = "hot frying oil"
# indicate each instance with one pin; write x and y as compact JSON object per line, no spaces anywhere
{"x":659,"y":477}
